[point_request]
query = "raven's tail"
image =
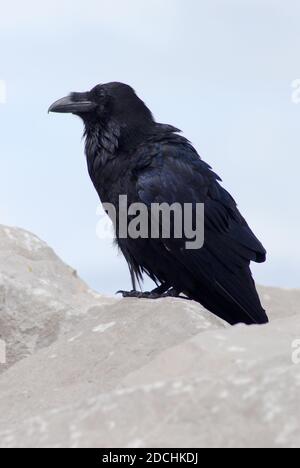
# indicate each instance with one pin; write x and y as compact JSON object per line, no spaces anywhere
{"x":235,"y":299}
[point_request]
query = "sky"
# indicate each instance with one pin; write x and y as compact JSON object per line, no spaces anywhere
{"x":221,"y":70}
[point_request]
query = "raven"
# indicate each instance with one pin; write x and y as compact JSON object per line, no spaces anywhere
{"x":129,"y":153}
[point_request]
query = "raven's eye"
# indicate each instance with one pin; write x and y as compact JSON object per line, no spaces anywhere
{"x":100,"y":93}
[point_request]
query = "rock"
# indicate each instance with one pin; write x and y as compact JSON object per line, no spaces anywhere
{"x":90,"y":371}
{"x":40,"y":297}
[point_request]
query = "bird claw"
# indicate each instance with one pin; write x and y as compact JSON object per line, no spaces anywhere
{"x":135,"y":294}
{"x":148,"y":295}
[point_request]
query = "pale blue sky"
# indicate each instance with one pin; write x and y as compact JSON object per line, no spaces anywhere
{"x":221,"y":70}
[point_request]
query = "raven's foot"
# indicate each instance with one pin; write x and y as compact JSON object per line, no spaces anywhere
{"x":139,"y":294}
{"x":157,"y":293}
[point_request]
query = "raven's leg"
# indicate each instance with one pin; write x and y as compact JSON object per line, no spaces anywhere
{"x":160,"y":292}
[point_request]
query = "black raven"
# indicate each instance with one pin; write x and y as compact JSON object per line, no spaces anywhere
{"x":128,"y":153}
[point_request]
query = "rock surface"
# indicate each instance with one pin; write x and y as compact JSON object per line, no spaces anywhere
{"x":85,"y":370}
{"x":40,"y":297}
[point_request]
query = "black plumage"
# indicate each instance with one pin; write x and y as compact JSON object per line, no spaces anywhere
{"x":128,"y":153}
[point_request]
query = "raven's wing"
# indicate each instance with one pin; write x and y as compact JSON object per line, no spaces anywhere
{"x":218,"y":274}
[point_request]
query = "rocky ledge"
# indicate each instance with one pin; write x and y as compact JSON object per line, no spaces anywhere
{"x":85,"y":370}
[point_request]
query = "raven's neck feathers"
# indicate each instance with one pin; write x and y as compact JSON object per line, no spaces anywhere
{"x":101,"y":144}
{"x":104,"y":142}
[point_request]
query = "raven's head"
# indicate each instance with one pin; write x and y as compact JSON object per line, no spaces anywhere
{"x":111,"y":101}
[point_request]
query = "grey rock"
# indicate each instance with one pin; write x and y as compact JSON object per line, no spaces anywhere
{"x":40,"y":297}
{"x":90,"y":371}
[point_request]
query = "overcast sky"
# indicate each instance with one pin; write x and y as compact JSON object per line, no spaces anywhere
{"x":221,"y":70}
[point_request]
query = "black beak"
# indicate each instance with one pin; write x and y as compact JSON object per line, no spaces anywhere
{"x":76,"y":103}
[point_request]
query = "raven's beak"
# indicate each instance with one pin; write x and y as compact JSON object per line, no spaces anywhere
{"x":72,"y":106}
